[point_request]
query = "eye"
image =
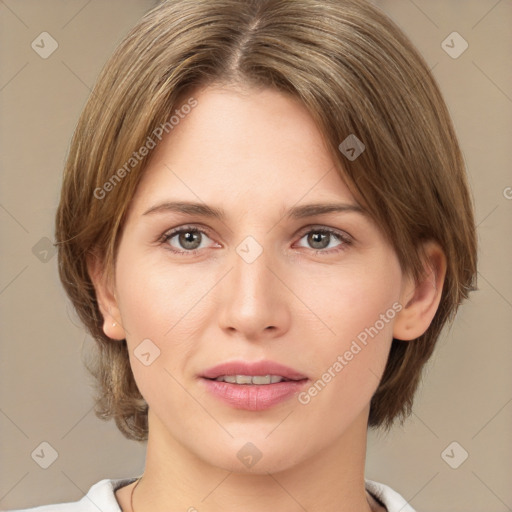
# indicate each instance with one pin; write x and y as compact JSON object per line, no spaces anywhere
{"x":320,"y":239}
{"x":188,"y":239}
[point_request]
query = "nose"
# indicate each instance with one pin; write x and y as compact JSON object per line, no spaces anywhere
{"x":254,"y":299}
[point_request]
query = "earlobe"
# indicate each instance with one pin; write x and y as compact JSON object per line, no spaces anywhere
{"x":112,"y":326}
{"x":105,"y":295}
{"x":420,"y":300}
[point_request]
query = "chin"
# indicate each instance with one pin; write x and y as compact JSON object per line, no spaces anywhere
{"x":258,"y":457}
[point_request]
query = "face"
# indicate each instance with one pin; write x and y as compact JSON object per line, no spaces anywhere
{"x":317,"y":293}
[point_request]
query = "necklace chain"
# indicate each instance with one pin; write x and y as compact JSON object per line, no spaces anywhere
{"x":131,"y":495}
{"x":139,"y":479}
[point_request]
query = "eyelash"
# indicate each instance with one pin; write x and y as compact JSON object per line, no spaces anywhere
{"x":345,"y":240}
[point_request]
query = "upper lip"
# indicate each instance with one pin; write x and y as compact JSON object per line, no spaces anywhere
{"x":252,"y":368}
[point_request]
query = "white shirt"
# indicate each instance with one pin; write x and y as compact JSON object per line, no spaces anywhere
{"x":101,"y":497}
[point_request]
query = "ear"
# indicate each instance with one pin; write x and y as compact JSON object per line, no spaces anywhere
{"x":105,"y":295}
{"x":420,"y":300}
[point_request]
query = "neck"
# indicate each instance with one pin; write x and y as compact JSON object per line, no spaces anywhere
{"x":330,"y":480}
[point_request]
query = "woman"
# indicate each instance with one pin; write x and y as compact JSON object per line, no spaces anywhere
{"x":264,"y":223}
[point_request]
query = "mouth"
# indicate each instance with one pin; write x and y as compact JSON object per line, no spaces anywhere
{"x":253,"y":386}
{"x":259,"y":373}
{"x":256,"y":380}
{"x":253,"y":392}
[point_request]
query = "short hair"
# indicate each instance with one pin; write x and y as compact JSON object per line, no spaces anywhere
{"x":356,"y":73}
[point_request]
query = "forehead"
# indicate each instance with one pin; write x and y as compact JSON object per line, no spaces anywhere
{"x":257,"y":146}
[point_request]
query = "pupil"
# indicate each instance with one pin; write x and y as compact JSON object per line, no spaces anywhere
{"x":317,"y":238}
{"x":189,"y":237}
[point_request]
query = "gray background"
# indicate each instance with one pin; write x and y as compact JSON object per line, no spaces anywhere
{"x":45,"y":394}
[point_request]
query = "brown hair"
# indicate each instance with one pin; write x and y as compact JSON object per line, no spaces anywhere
{"x":355,"y":71}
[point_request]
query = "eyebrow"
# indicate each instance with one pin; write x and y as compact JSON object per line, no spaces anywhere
{"x":296,"y":212}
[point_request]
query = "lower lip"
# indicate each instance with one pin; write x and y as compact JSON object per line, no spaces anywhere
{"x":253,"y":397}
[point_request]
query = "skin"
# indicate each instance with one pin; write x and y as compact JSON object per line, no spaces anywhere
{"x":255,"y":153}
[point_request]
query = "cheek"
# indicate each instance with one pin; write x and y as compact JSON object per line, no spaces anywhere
{"x":160,"y":311}
{"x":347,"y":300}
{"x":168,"y":306}
{"x":357,"y":307}
{"x":155,"y":298}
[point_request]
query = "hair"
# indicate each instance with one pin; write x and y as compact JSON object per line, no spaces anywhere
{"x":356,"y":73}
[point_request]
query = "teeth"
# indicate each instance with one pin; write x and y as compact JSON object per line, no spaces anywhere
{"x":250,"y":379}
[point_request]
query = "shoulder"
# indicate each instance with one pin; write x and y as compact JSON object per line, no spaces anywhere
{"x":393,"y":501}
{"x":101,"y":496}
